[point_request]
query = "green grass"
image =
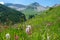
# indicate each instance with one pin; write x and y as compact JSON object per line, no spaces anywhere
{"x":41,"y":25}
{"x":28,"y":12}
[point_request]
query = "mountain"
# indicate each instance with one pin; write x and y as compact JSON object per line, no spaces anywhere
{"x":35,"y":6}
{"x":8,"y":15}
{"x":56,"y":5}
{"x":33,"y":9}
{"x":30,"y":9}
{"x":16,"y":6}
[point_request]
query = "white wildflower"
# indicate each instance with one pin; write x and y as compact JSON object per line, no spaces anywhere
{"x":48,"y":37}
{"x":28,"y":29}
{"x":29,"y":26}
{"x":7,"y":36}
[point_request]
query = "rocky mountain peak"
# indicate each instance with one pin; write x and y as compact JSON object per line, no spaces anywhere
{"x":35,"y":4}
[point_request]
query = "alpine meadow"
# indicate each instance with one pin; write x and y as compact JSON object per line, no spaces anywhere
{"x":29,"y":22}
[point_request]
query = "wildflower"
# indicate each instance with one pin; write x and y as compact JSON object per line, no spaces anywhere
{"x":7,"y":36}
{"x":6,"y":27}
{"x":16,"y":37}
{"x":29,"y":26}
{"x":28,"y":29}
{"x":49,"y":24}
{"x":48,"y":37}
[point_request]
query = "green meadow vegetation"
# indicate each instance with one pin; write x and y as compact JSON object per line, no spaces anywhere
{"x":29,"y":12}
{"x":45,"y":26}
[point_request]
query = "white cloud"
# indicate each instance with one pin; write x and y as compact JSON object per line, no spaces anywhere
{"x":1,"y":2}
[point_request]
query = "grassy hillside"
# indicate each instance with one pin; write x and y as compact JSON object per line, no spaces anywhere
{"x":48,"y":22}
{"x":45,"y":26}
{"x":28,"y":12}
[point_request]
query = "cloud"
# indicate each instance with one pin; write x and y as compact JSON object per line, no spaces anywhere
{"x":1,"y":2}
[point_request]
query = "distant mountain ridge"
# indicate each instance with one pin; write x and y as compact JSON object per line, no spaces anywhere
{"x":35,"y":6}
{"x":56,"y":5}
{"x":16,"y":6}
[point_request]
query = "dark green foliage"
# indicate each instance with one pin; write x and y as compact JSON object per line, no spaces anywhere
{"x":31,"y":16}
{"x":50,"y":8}
{"x":8,"y":15}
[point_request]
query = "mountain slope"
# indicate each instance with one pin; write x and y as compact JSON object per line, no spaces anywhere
{"x":34,"y":8}
{"x":49,"y":15}
{"x":45,"y":24}
{"x":15,"y":6}
{"x":52,"y":15}
{"x":7,"y":14}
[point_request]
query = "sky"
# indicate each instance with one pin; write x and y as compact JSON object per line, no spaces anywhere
{"x":27,"y":2}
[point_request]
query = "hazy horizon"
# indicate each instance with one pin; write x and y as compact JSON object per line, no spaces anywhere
{"x":27,"y":2}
